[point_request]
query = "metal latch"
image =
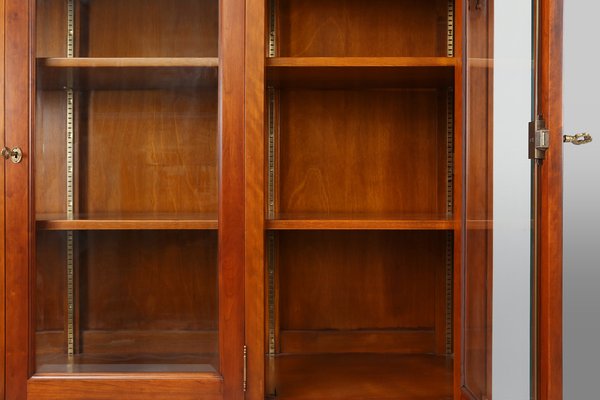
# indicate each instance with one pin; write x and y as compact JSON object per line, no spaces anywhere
{"x":539,"y":139}
{"x":579,"y":139}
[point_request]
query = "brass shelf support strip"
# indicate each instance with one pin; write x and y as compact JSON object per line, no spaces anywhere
{"x":271,"y":292}
{"x":70,"y":127}
{"x":272,"y":48}
{"x":450,"y":44}
{"x":450,"y":210}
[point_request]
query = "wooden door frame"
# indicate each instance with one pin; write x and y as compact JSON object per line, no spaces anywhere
{"x":550,"y":379}
{"x":18,"y":234}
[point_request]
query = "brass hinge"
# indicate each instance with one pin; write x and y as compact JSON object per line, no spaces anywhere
{"x":245,"y":377}
{"x":539,"y":139}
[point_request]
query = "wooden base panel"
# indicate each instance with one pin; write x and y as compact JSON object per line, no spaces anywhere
{"x":361,"y":376}
{"x":131,"y":387}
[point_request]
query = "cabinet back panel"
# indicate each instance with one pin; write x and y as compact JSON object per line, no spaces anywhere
{"x":150,"y":151}
{"x":358,"y":280}
{"x":131,"y":28}
{"x":376,"y":28}
{"x":136,"y":152}
{"x":130,"y":280}
{"x":362,"y":151}
{"x":149,"y":280}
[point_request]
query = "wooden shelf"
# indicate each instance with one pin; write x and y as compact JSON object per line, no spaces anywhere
{"x":127,"y":73}
{"x":361,"y":222}
{"x":360,"y":71}
{"x":60,"y":222}
{"x":361,"y":376}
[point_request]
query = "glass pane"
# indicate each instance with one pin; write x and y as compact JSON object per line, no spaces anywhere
{"x":581,"y":327}
{"x":126,"y":186}
{"x":497,"y":191}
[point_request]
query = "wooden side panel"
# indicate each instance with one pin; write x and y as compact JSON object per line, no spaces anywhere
{"x":355,"y":151}
{"x":362,"y":28}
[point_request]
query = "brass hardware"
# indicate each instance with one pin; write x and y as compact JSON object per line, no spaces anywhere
{"x":70,"y":28}
{"x":15,"y":155}
{"x":450,"y":42}
{"x":271,"y":154}
{"x":449,"y":289}
{"x":245,"y":379}
{"x":450,"y":151}
{"x":70,"y":179}
{"x":271,"y":292}
{"x":539,"y":139}
{"x":272,"y":49}
{"x":578,"y":139}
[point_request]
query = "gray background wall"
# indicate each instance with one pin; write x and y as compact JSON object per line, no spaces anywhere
{"x":581,"y":294}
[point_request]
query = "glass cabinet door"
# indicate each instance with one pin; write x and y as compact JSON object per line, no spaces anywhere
{"x":131,"y":281}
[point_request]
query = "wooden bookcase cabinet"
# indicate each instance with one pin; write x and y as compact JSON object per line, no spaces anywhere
{"x":126,"y":217}
{"x":360,"y":198}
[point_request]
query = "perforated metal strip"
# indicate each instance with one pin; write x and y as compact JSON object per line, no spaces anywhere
{"x":450,"y":210}
{"x":271,"y":153}
{"x":271,"y":291}
{"x":450,"y":46}
{"x":70,"y":139}
{"x":272,"y":50}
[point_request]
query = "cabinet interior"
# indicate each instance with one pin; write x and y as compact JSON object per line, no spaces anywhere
{"x":126,"y":186}
{"x":360,"y":194}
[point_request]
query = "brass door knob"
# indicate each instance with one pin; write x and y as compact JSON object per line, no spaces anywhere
{"x":15,"y":155}
{"x":579,"y":139}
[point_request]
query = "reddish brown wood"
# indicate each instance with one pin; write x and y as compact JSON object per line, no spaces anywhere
{"x":358,"y":28}
{"x":364,"y":376}
{"x":2,"y":220}
{"x":361,"y":151}
{"x":151,"y":221}
{"x":255,"y":197}
{"x":358,"y":280}
{"x":348,"y":72}
{"x":458,"y":183}
{"x":550,"y":372}
{"x":128,"y":386}
{"x":361,"y":222}
{"x":231,"y":196}
{"x":127,"y":73}
{"x":18,"y":90}
{"x":357,"y":341}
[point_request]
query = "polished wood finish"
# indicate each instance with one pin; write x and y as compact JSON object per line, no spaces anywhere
{"x":231,"y":197}
{"x":550,"y":349}
{"x":361,"y":222}
{"x":145,"y":152}
{"x":2,"y":217}
{"x":254,"y":192}
{"x":378,"y":28}
{"x":357,"y":341}
{"x":172,"y":221}
{"x":136,"y":28}
{"x":364,"y":376}
{"x":127,"y":73}
{"x":128,"y":386}
{"x":361,"y":151}
{"x":347,"y":72}
{"x":18,"y":206}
